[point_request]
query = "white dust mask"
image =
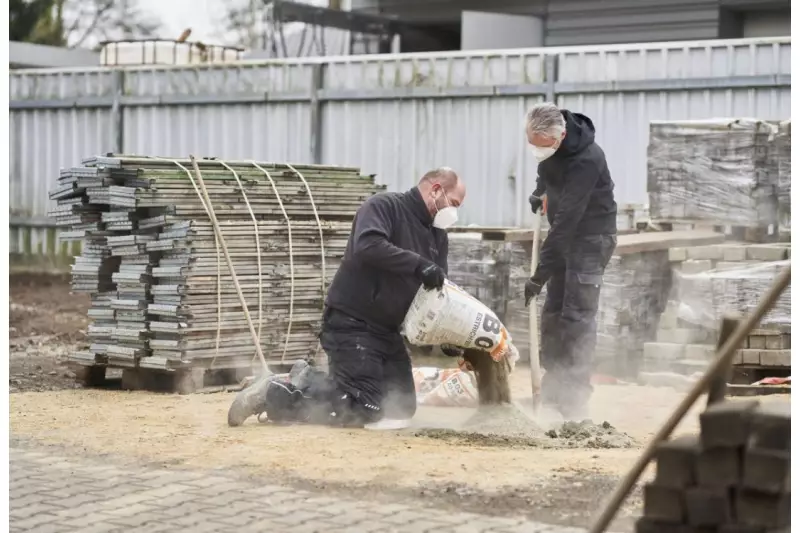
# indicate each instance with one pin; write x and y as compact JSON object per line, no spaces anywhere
{"x":445,"y":217}
{"x":542,"y":153}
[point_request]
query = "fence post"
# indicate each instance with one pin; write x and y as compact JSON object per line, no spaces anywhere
{"x":117,"y":120}
{"x":315,"y":144}
{"x":550,"y":73}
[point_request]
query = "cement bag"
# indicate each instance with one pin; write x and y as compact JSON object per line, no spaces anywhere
{"x":452,"y":316}
{"x":445,"y":387}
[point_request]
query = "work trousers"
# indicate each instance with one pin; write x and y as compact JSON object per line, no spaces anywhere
{"x":569,"y":324}
{"x":369,"y":378}
{"x":370,"y":365}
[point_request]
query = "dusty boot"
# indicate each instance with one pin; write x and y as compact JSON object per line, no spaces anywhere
{"x":296,"y":374}
{"x":249,"y":401}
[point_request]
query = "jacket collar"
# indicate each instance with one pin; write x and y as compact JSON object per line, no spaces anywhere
{"x":413,"y":199}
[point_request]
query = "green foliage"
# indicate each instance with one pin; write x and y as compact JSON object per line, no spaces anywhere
{"x":36,"y":21}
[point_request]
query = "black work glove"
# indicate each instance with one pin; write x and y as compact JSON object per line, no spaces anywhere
{"x":532,"y":290}
{"x":452,"y":351}
{"x":431,"y":275}
{"x":536,"y":203}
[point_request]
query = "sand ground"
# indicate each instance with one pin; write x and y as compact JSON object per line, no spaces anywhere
{"x":565,"y":485}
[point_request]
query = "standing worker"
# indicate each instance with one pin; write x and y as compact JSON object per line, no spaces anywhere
{"x":582,"y":213}
{"x":398,"y":243}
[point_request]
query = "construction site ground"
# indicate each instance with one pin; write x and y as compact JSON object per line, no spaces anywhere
{"x":188,"y":436}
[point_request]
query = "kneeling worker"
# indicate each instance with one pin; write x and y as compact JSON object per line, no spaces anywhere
{"x":398,"y":243}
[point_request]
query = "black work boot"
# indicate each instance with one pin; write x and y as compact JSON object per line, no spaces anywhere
{"x":249,"y":401}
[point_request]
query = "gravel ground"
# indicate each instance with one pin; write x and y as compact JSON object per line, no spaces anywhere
{"x":46,"y":324}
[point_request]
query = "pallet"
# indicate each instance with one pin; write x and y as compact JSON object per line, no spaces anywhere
{"x":184,"y":381}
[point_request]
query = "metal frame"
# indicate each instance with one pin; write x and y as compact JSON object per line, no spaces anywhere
{"x":318,"y":95}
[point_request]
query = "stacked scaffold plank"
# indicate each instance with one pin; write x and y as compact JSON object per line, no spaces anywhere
{"x":163,"y":294}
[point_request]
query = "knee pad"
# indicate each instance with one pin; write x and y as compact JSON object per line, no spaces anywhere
{"x":350,"y":411}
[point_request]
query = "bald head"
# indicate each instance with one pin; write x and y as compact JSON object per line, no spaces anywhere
{"x":440,"y":188}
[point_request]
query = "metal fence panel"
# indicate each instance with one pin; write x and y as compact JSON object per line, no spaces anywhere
{"x":393,"y":115}
{"x":622,"y":118}
{"x":401,"y":140}
{"x":274,"y":132}
{"x":42,"y":142}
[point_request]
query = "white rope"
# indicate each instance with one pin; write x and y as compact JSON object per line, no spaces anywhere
{"x":319,"y":226}
{"x":258,"y":250}
{"x":216,"y":245}
{"x":291,"y":259}
{"x":321,"y":242}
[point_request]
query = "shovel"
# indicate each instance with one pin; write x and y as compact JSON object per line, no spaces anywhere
{"x":533,"y":325}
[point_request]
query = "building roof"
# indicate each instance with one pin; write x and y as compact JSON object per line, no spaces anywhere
{"x":27,"y":55}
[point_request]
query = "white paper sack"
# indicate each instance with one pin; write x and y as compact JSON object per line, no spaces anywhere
{"x":445,"y":387}
{"x":452,"y":316}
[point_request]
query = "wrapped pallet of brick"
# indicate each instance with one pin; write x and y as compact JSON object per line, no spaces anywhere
{"x":633,"y":296}
{"x":715,"y":172}
{"x":163,"y":296}
{"x":709,"y":283}
{"x":783,"y":154}
{"x":634,"y":293}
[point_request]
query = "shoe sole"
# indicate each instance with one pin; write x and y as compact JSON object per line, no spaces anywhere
{"x":245,"y":404}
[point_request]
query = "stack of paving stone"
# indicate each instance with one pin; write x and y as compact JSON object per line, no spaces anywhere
{"x":713,"y":171}
{"x":710,"y":282}
{"x":89,"y":209}
{"x":173,"y":301}
{"x":783,"y":155}
{"x":733,"y":478}
{"x":495,"y":273}
{"x":634,"y":294}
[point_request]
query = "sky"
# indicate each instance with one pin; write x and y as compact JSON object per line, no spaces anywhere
{"x":203,"y":16}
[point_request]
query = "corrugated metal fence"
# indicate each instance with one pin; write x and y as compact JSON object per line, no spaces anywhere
{"x":392,"y":115}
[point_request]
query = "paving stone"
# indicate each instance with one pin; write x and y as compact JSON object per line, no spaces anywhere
{"x":771,"y":426}
{"x":775,"y":358}
{"x":649,"y":525}
{"x":714,"y":253}
{"x":763,"y":510}
{"x":766,"y":252}
{"x":36,"y":521}
{"x":694,"y":266}
{"x":298,"y":517}
{"x":675,"y":462}
{"x":726,"y":424}
{"x":719,"y":467}
{"x":700,"y":352}
{"x":676,"y":255}
{"x":740,"y":528}
{"x":734,"y":252}
{"x":767,"y":470}
{"x":663,"y":351}
{"x":664,"y":504}
{"x":708,"y":506}
{"x":102,"y":499}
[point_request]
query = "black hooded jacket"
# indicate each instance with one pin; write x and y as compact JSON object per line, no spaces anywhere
{"x":392,"y":236}
{"x":580,"y":193}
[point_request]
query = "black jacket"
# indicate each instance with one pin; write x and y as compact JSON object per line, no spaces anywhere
{"x":580,"y":193}
{"x":392,"y":234}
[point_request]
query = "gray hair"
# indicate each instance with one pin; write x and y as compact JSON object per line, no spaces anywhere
{"x":545,"y":119}
{"x":445,"y":176}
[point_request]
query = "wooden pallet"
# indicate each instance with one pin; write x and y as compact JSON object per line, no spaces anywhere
{"x":184,"y":381}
